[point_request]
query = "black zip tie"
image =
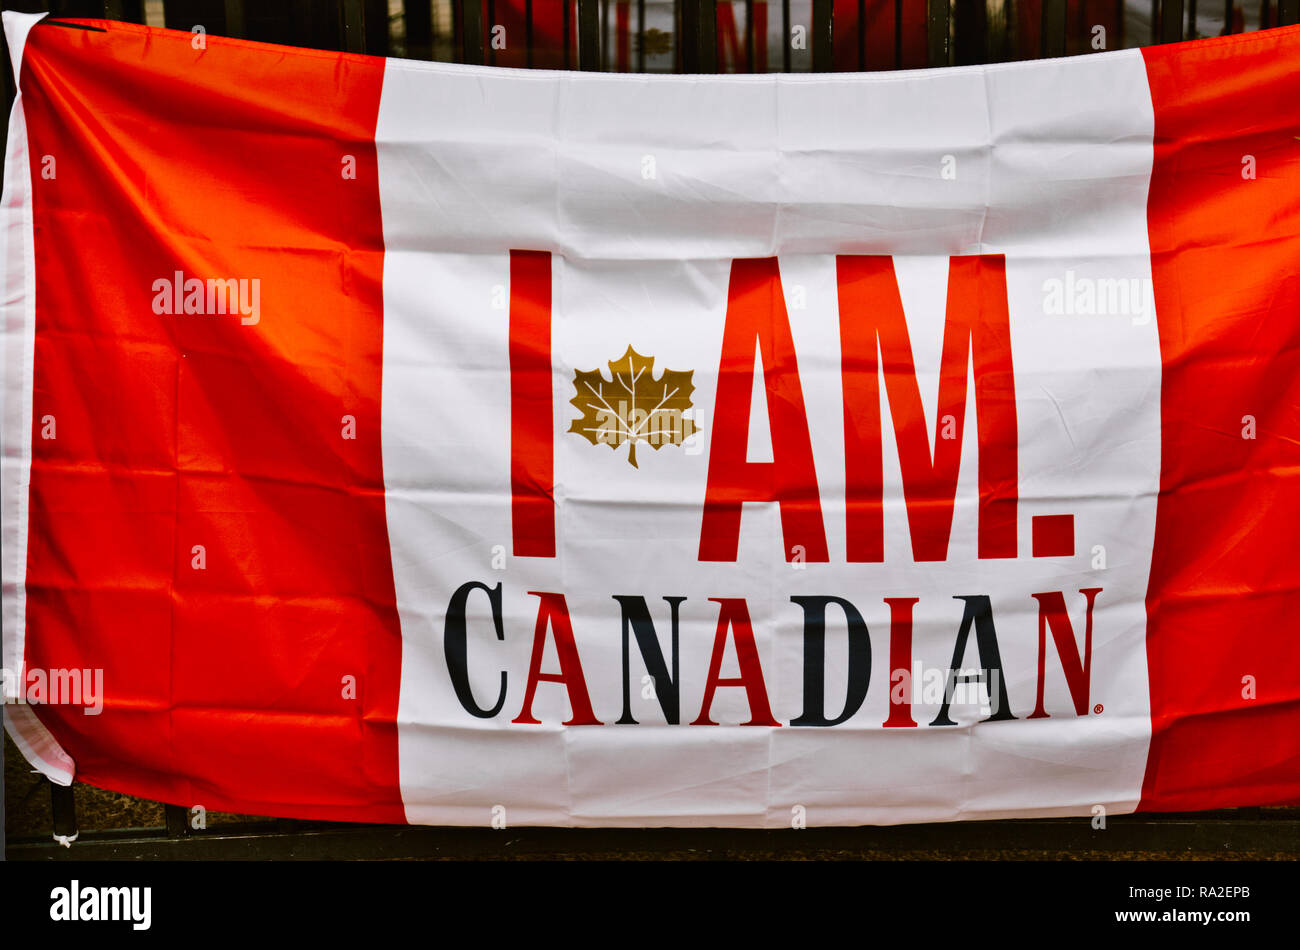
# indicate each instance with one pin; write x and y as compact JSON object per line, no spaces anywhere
{"x":75,"y":26}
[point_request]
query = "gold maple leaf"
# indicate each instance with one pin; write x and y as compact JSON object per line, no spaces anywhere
{"x":632,"y":406}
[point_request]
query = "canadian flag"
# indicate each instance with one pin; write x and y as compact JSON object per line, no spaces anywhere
{"x":409,"y":442}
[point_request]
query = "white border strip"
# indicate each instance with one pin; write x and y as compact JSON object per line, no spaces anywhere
{"x":17,"y":347}
{"x":36,"y":744}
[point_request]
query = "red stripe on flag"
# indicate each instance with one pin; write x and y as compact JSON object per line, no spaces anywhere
{"x":208,"y":526}
{"x":532,"y":423}
{"x":1224,"y":596}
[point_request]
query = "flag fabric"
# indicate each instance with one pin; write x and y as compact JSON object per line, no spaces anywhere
{"x":409,"y":442}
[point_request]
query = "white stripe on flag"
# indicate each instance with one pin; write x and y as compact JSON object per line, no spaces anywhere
{"x":644,"y":191}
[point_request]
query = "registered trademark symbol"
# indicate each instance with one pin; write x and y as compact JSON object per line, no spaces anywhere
{"x":1097,"y":708}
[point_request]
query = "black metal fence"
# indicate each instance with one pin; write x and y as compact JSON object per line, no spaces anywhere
{"x":692,"y":36}
{"x":699,"y":36}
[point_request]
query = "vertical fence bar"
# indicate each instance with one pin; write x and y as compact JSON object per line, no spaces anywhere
{"x":862,"y":34}
{"x":750,"y":38}
{"x":640,"y":36}
{"x":178,"y":820}
{"x":1171,"y":21}
{"x":528,"y":33}
{"x":567,"y":7}
{"x":235,"y":19}
{"x":1191,"y":32}
{"x":785,"y":36}
{"x":1288,"y":11}
{"x":1053,"y":39}
{"x":823,"y":15}
{"x":998,"y":48}
{"x":689,"y":36}
{"x":898,"y":34}
{"x":471,"y":18}
{"x":936,"y":24}
{"x":588,"y":35}
{"x":968,"y":33}
{"x":417,"y":15}
{"x":354,"y":26}
{"x":708,"y":35}
{"x":63,"y":808}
